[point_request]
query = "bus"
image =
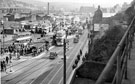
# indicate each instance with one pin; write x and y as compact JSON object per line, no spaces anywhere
{"x":80,"y":31}
{"x":60,"y":36}
{"x":23,"y":38}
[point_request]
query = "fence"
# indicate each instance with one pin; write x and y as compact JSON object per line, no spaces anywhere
{"x":120,"y":56}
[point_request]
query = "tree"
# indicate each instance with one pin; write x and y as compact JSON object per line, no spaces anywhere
{"x":130,"y":12}
{"x":104,"y":47}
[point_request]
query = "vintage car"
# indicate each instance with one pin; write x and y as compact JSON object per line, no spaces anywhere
{"x":52,"y":55}
{"x":76,"y":40}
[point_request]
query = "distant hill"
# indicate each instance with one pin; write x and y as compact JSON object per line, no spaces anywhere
{"x":14,"y":3}
{"x":56,"y":5}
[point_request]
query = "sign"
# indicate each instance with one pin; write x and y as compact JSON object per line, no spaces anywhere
{"x":96,"y":27}
{"x":99,"y":27}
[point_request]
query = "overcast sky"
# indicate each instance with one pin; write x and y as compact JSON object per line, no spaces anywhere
{"x":103,"y":3}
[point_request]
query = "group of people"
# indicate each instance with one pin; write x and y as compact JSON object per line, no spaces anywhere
{"x":21,"y":50}
{"x":5,"y":50}
{"x":5,"y":62}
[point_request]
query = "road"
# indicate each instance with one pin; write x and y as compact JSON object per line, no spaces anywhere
{"x":27,"y":71}
{"x":56,"y":75}
{"x":43,"y":70}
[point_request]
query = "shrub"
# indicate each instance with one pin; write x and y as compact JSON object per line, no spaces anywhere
{"x":103,"y":48}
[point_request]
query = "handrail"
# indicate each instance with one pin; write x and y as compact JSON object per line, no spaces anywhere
{"x":110,"y":63}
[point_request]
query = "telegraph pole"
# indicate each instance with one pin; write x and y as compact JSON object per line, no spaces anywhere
{"x":48,"y":9}
{"x":64,"y":70}
{"x":2,"y":23}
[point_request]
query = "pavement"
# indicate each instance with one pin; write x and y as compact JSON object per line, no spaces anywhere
{"x":85,"y":49}
{"x":131,"y":66}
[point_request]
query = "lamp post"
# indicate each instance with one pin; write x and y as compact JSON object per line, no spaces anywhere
{"x":64,"y":70}
{"x":2,"y":23}
{"x":88,"y":23}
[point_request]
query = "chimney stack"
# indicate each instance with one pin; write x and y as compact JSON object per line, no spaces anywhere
{"x":48,"y":9}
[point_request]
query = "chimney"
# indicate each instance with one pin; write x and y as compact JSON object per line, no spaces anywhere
{"x":48,"y":9}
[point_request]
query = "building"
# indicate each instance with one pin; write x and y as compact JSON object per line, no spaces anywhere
{"x":125,"y":6}
{"x":117,"y":8}
{"x":97,"y":18}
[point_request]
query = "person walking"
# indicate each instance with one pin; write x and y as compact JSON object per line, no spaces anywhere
{"x":80,"y":52}
{"x":7,"y":59}
{"x":4,"y":66}
{"x":33,"y":52}
{"x":1,"y":66}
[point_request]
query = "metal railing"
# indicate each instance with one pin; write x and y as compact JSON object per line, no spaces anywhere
{"x":120,"y":56}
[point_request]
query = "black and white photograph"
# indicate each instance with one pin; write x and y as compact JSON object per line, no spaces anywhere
{"x":67,"y":41}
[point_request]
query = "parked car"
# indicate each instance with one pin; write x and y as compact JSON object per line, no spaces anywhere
{"x":76,"y":40}
{"x":52,"y":55}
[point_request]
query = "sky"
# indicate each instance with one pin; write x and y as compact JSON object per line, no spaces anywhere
{"x":103,"y":3}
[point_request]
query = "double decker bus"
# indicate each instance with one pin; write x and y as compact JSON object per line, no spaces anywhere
{"x":23,"y":38}
{"x":60,"y":35}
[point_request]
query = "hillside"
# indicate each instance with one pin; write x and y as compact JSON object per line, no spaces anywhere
{"x":56,"y":5}
{"x":14,"y":3}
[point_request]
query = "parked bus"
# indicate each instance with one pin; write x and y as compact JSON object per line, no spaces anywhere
{"x":60,"y":35}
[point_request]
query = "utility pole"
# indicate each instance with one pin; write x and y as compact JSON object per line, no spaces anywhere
{"x":48,"y":9}
{"x":64,"y":70}
{"x":2,"y":23}
{"x":92,"y":36}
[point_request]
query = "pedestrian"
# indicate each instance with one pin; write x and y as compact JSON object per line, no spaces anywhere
{"x":10,"y":56}
{"x":7,"y":59}
{"x":4,"y":66}
{"x":1,"y":65}
{"x":80,"y":52}
{"x":33,"y":52}
{"x":20,"y":51}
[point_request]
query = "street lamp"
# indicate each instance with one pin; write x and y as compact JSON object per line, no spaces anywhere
{"x":64,"y":70}
{"x":66,"y":43}
{"x":2,"y":23}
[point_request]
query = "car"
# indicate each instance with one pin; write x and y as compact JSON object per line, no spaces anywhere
{"x":76,"y":40}
{"x":52,"y":55}
{"x":80,"y":31}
